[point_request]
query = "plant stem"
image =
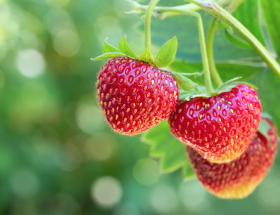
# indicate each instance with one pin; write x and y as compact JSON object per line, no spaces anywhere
{"x":207,"y":75}
{"x":172,"y":11}
{"x":209,"y":47}
{"x":222,"y":14}
{"x":147,"y":55}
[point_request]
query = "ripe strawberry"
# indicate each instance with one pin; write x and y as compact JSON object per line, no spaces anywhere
{"x":135,"y":96}
{"x":238,"y":178}
{"x":219,"y":127}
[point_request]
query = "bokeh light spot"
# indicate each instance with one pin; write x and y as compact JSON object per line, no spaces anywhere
{"x":163,"y":198}
{"x":106,"y":191}
{"x":100,"y":147}
{"x":193,"y":195}
{"x":126,"y":209}
{"x":89,"y":118}
{"x":67,"y":43}
{"x":30,"y":63}
{"x":269,"y":189}
{"x":58,"y":20}
{"x":146,"y":171}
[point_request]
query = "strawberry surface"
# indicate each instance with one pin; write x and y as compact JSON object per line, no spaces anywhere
{"x":135,"y":96}
{"x":219,"y":127}
{"x":238,"y":178}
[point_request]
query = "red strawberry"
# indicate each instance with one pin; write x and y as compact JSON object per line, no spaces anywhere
{"x":238,"y":178}
{"x":219,"y":127}
{"x":135,"y":96}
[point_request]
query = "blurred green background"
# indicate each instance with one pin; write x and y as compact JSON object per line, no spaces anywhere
{"x":57,"y":154}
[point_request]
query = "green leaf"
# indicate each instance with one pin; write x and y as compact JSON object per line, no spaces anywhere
{"x":124,"y":48}
{"x":184,"y":83}
{"x":269,"y":94}
{"x":263,"y":128}
{"x":167,"y":53}
{"x":169,"y":149}
{"x":248,"y":14}
{"x":266,"y":115}
{"x":108,"y":48}
{"x":270,"y":10}
{"x":188,"y":172}
{"x":109,"y":55}
{"x":237,"y":41}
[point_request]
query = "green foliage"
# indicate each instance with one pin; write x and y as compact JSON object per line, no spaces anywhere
{"x":170,"y":150}
{"x":264,"y":128}
{"x":269,"y":94}
{"x":271,"y":15}
{"x":248,"y":14}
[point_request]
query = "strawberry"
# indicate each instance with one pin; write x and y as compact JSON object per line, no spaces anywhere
{"x":135,"y":96}
{"x":219,"y":127}
{"x":238,"y":178}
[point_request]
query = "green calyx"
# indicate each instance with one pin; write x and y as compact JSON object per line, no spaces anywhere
{"x":202,"y":92}
{"x":164,"y":57}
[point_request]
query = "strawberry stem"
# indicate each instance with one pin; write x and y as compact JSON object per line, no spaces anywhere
{"x":147,"y":55}
{"x":207,"y":75}
{"x":209,"y":47}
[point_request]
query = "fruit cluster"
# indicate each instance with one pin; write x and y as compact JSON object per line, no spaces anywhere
{"x":220,"y":132}
{"x":229,"y":151}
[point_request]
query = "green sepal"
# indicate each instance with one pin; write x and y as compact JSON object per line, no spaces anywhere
{"x":227,"y":86}
{"x":109,"y":55}
{"x":169,"y":149}
{"x":106,"y":47}
{"x":202,"y":92}
{"x":124,"y":48}
{"x":184,"y":83}
{"x":166,"y":54}
{"x":248,"y":84}
{"x":146,"y":57}
{"x":236,"y":41}
{"x":193,"y":93}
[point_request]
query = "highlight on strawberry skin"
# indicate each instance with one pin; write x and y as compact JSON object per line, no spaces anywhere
{"x":238,"y":178}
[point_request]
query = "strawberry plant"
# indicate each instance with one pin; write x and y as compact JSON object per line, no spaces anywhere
{"x":220,"y":122}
